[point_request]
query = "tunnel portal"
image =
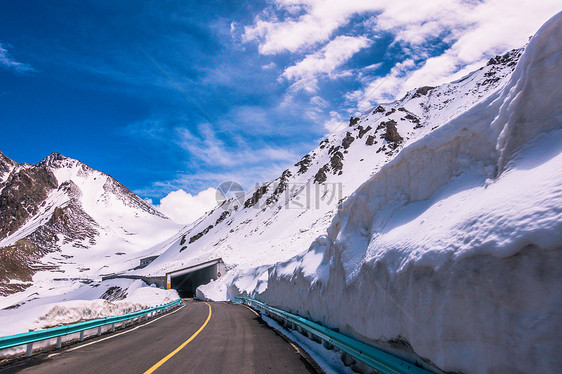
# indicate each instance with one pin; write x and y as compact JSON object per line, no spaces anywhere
{"x":186,"y":280}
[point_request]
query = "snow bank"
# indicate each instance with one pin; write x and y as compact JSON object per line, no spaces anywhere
{"x":97,"y":300}
{"x":450,"y":254}
{"x":234,"y":283}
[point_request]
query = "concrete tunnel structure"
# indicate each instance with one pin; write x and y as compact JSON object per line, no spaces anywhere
{"x":186,"y":280}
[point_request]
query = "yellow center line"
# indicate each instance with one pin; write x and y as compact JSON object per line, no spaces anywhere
{"x":162,"y":361}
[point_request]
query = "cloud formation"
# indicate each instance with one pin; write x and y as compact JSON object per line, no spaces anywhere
{"x":207,"y":148}
{"x":185,"y":208}
{"x":8,"y":62}
{"x":307,"y":23}
{"x":432,"y":42}
{"x":324,"y":62}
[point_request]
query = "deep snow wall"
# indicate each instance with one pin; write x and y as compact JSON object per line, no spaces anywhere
{"x":451,"y":252}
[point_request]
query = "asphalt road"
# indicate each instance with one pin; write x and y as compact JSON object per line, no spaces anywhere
{"x":231,"y":339}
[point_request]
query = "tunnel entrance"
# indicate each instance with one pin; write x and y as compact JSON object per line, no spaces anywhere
{"x":186,"y":280}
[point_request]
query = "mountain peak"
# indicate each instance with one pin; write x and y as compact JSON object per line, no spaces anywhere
{"x":55,"y":156}
{"x":6,"y":165}
{"x":5,"y":158}
{"x":54,"y":159}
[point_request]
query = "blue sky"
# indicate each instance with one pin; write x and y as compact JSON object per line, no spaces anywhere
{"x":176,"y":95}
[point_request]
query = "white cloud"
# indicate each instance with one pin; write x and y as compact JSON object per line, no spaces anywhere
{"x":373,"y":66}
{"x":320,"y":19}
{"x":249,"y":178}
{"x":475,"y":31}
{"x":334,"y":123}
{"x":382,"y":89}
{"x":494,"y":27}
{"x":324,"y":62}
{"x":210,"y":150}
{"x":271,"y":65}
{"x":8,"y":62}
{"x":185,"y":208}
{"x":216,"y":156}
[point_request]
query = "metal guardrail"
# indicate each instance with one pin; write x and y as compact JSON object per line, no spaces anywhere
{"x":58,"y":332}
{"x":371,"y":356}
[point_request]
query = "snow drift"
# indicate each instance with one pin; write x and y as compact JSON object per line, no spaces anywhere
{"x":450,"y":255}
{"x":80,"y":303}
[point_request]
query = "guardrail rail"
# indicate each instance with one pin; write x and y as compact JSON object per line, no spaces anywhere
{"x":28,"y":338}
{"x":373,"y":357}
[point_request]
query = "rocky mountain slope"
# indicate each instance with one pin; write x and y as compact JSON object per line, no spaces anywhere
{"x":280,"y":219}
{"x":62,"y":219}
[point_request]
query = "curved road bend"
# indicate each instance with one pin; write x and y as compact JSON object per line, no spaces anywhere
{"x":232,"y":340}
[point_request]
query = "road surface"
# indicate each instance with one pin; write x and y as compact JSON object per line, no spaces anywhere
{"x":198,"y":338}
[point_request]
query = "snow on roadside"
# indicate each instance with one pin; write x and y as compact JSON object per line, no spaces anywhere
{"x":328,"y":360}
{"x":96,"y":300}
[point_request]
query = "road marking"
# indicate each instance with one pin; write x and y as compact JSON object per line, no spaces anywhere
{"x":253,"y":311}
{"x":285,"y":334}
{"x":114,"y":335}
{"x":162,"y":361}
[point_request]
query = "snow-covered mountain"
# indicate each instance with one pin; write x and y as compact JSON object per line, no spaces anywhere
{"x":281,"y":218}
{"x":62,"y":219}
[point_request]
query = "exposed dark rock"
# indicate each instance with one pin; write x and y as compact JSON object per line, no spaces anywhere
{"x":346,"y":142}
{"x":6,"y":164}
{"x":379,"y":109}
{"x":200,"y":235}
{"x":114,"y":293}
{"x":71,"y":221}
{"x":392,"y":136}
{"x":182,"y":241}
{"x":281,"y":187}
{"x":363,"y":131}
{"x":255,"y":197}
{"x":390,"y":112}
{"x":336,"y":162}
{"x":320,"y":176}
{"x":22,"y":194}
{"x":414,"y":119}
{"x":52,"y":160}
{"x":353,"y":121}
{"x":510,"y":58}
{"x":490,"y":81}
{"x":221,"y":218}
{"x":303,"y":164}
{"x":492,"y":61}
{"x":333,"y":149}
{"x":16,"y":263}
{"x":370,"y":140}
{"x":422,"y":91}
{"x":384,"y":125}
